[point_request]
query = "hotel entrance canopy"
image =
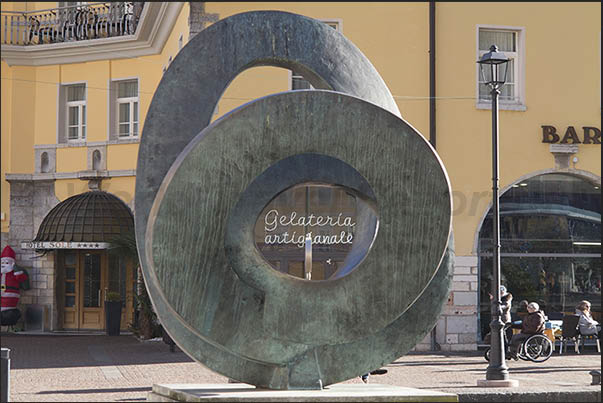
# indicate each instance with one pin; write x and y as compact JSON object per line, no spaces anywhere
{"x":86,"y":221}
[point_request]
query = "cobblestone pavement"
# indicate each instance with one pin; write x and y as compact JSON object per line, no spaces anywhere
{"x":102,"y":368}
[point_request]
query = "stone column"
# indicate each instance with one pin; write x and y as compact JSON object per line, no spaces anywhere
{"x":456,"y":329}
{"x":30,"y":201}
{"x":43,"y":281}
{"x":459,"y":318}
{"x":21,"y":225}
{"x":21,"y":228}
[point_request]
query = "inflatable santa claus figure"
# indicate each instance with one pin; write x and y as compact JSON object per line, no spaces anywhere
{"x":10,"y":288}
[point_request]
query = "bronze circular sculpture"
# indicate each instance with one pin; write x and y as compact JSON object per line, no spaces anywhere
{"x":210,"y":287}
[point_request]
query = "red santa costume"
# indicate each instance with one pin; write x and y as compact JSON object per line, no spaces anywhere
{"x":10,"y":293}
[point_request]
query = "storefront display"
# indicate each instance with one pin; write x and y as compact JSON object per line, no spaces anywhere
{"x":550,"y":245}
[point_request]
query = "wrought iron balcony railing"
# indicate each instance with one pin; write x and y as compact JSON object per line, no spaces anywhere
{"x":72,"y":23}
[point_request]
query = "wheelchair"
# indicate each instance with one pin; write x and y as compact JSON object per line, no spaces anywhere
{"x":537,"y":348}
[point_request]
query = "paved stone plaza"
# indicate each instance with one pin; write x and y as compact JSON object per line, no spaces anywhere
{"x":102,"y":368}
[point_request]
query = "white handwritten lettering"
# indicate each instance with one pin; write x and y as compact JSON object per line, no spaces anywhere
{"x":272,"y":218}
{"x":270,"y":224}
{"x":344,"y":238}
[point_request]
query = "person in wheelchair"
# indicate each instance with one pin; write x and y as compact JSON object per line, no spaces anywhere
{"x":532,"y":324}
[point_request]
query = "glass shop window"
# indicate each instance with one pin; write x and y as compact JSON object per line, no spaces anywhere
{"x":550,"y":246}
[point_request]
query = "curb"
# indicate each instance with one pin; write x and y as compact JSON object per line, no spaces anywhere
{"x":563,"y":396}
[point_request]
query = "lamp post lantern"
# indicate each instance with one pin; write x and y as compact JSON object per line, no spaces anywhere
{"x":493,"y":68}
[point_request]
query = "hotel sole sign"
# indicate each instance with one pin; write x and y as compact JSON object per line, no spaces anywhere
{"x":64,"y":245}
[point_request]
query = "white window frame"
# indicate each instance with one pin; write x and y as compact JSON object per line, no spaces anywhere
{"x":518,"y":104}
{"x":81,"y":105}
{"x":116,"y":102}
{"x":338,"y":22}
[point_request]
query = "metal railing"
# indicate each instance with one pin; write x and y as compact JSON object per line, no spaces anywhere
{"x":71,"y":23}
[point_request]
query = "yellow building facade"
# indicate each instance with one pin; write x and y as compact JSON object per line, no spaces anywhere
{"x":74,"y":105}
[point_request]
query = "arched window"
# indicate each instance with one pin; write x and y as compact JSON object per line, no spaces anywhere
{"x":550,"y":231}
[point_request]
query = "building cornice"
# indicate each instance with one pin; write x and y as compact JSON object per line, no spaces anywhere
{"x":74,"y":144}
{"x":156,"y":23}
{"x":84,"y":175}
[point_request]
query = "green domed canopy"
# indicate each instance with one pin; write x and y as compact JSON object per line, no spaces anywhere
{"x":94,"y":216}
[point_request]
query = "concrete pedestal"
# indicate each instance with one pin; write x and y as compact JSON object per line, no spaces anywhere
{"x":241,"y":392}
{"x":503,"y":383}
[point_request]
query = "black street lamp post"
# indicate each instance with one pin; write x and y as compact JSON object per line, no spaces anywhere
{"x":493,"y":68}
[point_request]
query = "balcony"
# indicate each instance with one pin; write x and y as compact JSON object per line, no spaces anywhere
{"x":84,"y":33}
{"x":73,"y":23}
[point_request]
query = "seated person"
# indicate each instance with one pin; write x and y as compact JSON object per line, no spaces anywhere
{"x":532,"y":324}
{"x":522,"y":312}
{"x":587,"y":325}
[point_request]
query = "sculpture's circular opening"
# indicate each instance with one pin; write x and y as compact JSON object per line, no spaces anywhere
{"x":316,"y":231}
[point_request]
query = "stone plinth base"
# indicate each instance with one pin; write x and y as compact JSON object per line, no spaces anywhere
{"x":502,"y":383}
{"x":241,"y":392}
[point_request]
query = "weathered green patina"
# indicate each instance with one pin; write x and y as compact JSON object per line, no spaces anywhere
{"x":186,"y":97}
{"x":214,"y":293}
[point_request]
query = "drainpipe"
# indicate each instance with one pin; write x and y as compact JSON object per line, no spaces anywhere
{"x":432,"y":74}
{"x":432,"y":107}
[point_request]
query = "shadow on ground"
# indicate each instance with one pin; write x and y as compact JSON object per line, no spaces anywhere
{"x":43,"y":351}
{"x":94,"y":391}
